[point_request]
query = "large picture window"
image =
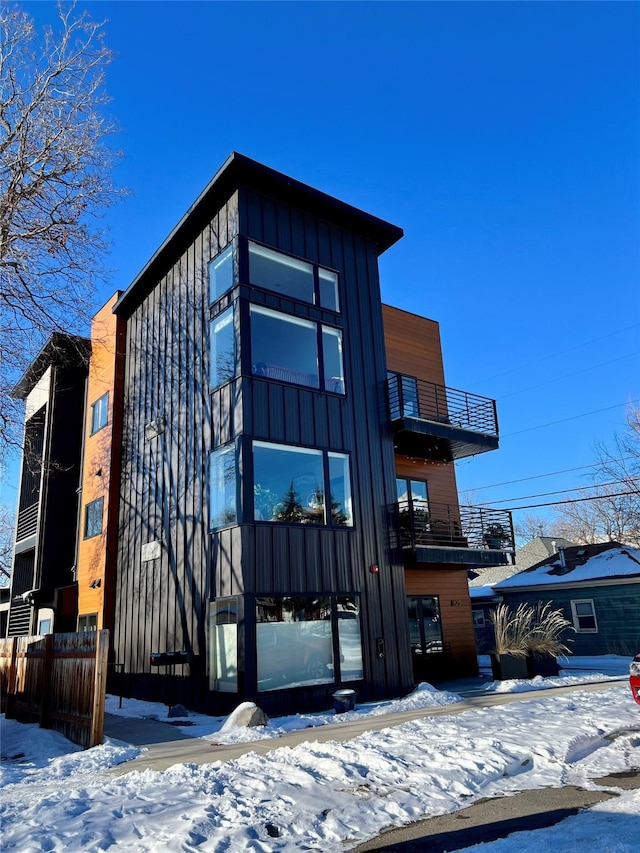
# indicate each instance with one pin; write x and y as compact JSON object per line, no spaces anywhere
{"x":280,"y":273}
{"x":223,"y":640}
{"x":223,"y":349}
{"x":223,"y":487}
{"x":295,"y":640}
{"x":293,"y":277}
{"x":289,"y":485}
{"x":285,"y":348}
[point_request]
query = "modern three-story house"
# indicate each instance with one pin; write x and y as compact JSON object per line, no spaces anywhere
{"x":268,"y":498}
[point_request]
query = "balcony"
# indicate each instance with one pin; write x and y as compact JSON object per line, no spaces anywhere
{"x":435,"y":422}
{"x":444,"y":533}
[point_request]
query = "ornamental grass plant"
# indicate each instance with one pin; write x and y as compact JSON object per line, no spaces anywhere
{"x":547,"y":631}
{"x":512,"y":629}
{"x":530,"y":630}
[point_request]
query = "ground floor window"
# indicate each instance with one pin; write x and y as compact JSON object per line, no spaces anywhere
{"x":307,"y":639}
{"x":88,"y":622}
{"x":223,"y":642}
{"x":425,"y":624}
{"x":478,"y":618}
{"x":584,"y":616}
{"x":223,"y":486}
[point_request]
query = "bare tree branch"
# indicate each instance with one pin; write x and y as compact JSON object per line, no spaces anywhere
{"x":55,"y":185}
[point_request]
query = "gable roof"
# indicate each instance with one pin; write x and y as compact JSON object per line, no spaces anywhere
{"x":532,"y":553}
{"x":60,"y":349}
{"x":539,"y":549}
{"x":580,"y":563}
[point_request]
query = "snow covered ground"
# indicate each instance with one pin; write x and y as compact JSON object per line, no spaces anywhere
{"x":331,"y":796}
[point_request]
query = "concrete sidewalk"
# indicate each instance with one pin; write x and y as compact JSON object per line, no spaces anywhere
{"x":165,"y":745}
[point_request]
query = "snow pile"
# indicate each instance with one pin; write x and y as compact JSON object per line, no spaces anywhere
{"x":324,"y":796}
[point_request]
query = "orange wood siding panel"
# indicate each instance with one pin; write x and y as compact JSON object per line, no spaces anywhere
{"x":451,"y":586}
{"x":95,"y":555}
{"x":413,"y":345}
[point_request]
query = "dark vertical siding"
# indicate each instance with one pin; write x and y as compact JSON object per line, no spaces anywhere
{"x":301,"y":559}
{"x":162,"y":604}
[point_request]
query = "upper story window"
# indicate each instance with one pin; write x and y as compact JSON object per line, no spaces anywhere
{"x":93,"y":513}
{"x":223,"y":484}
{"x":290,"y":349}
{"x":221,"y":273}
{"x":100,"y":413}
{"x":291,"y":485}
{"x":291,"y":277}
{"x":223,"y":349}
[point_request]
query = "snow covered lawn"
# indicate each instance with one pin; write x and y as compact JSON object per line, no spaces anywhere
{"x":328,"y":796}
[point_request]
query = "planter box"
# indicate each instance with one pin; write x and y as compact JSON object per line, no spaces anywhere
{"x":507,"y":666}
{"x":544,"y":664}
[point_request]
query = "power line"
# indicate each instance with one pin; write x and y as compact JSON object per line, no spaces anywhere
{"x":557,"y":353}
{"x":570,"y":501}
{"x":540,"y":476}
{"x":557,"y":492}
{"x":572,"y":418}
{"x":566,"y":376}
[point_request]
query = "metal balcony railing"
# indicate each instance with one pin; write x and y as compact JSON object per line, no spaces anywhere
{"x":410,"y":397}
{"x":444,"y":525}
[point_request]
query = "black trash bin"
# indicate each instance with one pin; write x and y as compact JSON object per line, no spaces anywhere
{"x":344,"y":700}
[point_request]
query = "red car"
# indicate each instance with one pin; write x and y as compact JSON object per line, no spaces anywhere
{"x":634,"y":678}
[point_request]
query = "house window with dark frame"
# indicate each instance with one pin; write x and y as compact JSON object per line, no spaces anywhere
{"x":425,"y":624}
{"x":222,"y":275}
{"x":88,"y":622}
{"x":296,"y":638}
{"x":478,"y":618}
{"x":290,"y":349}
{"x":584,"y":616}
{"x":223,"y":351}
{"x":100,"y":413}
{"x":93,"y":513}
{"x":223,"y":645}
{"x":290,"y":485}
{"x":293,"y":277}
{"x":223,"y":486}
{"x":413,"y":511}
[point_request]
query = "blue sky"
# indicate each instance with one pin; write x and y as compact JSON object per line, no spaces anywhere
{"x":502,"y":137}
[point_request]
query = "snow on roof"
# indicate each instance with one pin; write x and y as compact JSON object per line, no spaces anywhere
{"x":482,"y":592}
{"x":616,"y":561}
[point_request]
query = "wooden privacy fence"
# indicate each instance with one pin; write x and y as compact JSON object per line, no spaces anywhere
{"x":58,"y":681}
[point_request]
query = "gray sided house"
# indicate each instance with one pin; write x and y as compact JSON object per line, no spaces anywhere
{"x":596,"y":586}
